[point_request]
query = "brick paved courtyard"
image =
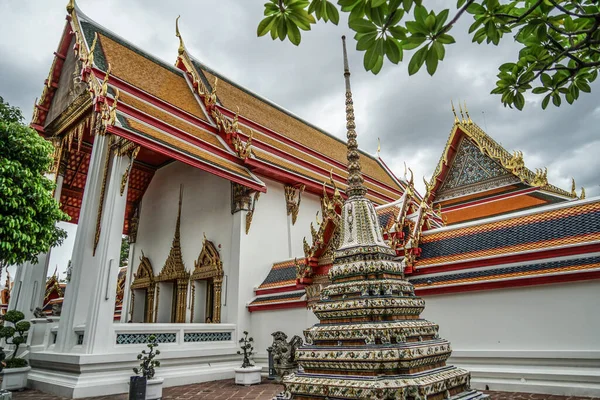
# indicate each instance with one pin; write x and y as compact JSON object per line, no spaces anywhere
{"x":225,"y":390}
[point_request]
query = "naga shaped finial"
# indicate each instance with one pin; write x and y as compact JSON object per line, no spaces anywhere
{"x":181,"y":48}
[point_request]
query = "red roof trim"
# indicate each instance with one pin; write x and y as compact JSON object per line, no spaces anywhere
{"x":543,"y":280}
{"x":279,"y":306}
{"x":507,"y":259}
{"x":281,"y":289}
{"x":299,"y":146}
{"x":185,"y":158}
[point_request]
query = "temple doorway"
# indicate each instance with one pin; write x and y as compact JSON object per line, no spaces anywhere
{"x":142,"y":292}
{"x":207,"y":282}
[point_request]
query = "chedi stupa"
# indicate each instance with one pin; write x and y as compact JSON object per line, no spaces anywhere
{"x":370,"y":342}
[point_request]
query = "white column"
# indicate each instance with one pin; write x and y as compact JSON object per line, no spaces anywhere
{"x":100,"y":311}
{"x":85,"y":267}
{"x":131,"y":268}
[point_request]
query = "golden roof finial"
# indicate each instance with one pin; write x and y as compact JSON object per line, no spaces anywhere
{"x":181,"y":49}
{"x":90,"y":57}
{"x":378,"y":147}
{"x":582,"y":193}
{"x":573,"y":188}
{"x":462,"y":116}
{"x":104,"y":89}
{"x":355,"y":179}
{"x":469,"y":121}
{"x":456,"y":121}
{"x":71,"y":6}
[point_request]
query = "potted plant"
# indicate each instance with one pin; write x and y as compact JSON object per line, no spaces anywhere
{"x":15,"y":368}
{"x":147,"y":370}
{"x":248,"y":374}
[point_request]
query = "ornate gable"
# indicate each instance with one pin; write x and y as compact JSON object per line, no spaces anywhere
{"x":471,"y":167}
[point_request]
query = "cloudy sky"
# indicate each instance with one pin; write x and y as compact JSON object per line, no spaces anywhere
{"x":411,"y":115}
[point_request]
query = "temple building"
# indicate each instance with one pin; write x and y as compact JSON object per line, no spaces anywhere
{"x":234,"y":210}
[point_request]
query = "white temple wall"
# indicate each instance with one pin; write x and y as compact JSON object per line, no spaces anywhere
{"x":310,"y":205}
{"x":535,"y":339}
{"x":271,"y":239}
{"x":206,"y":209}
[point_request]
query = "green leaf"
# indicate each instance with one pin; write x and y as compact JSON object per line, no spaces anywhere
{"x":332,"y":12}
{"x":393,"y":51}
{"x":540,"y":90}
{"x":378,"y":65}
{"x":556,"y":99}
{"x":362,"y":26}
{"x":366,"y":40}
{"x":265,"y":25}
{"x":417,"y":60}
{"x":583,"y":86}
{"x":431,"y":61}
{"x":281,"y":28}
{"x":430,"y":22}
{"x":397,"y":32}
{"x":370,"y":58}
{"x":314,"y":4}
{"x":446,"y":39}
{"x":293,"y":32}
{"x":519,"y":101}
{"x":377,"y":3}
{"x":439,"y":50}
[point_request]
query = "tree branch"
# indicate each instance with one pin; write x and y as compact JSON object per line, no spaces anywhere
{"x":460,"y":12}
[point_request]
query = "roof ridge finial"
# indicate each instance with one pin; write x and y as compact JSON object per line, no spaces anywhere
{"x":70,"y":6}
{"x":462,"y":116}
{"x":355,"y":179}
{"x":469,"y":120}
{"x":573,"y":188}
{"x":181,"y":48}
{"x":456,"y":121}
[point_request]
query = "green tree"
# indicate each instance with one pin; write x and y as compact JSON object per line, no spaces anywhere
{"x":124,"y":251}
{"x":559,"y":39}
{"x":28,"y":212}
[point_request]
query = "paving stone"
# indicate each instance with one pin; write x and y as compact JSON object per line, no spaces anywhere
{"x":228,"y":390}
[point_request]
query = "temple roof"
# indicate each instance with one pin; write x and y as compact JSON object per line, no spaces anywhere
{"x":160,"y":107}
{"x":474,"y":162}
{"x":532,"y":231}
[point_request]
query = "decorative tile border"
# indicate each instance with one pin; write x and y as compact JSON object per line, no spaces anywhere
{"x":207,"y":337}
{"x":142,"y":338}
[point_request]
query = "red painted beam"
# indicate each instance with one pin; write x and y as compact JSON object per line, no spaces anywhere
{"x":288,"y":288}
{"x":278,"y":306}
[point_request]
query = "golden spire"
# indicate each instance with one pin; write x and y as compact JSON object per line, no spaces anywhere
{"x":582,"y":193}
{"x":378,"y":147}
{"x":462,"y":116}
{"x":181,"y":45}
{"x":573,"y":188}
{"x":355,"y":179}
{"x":469,"y":121}
{"x":456,"y":121}
{"x":71,"y":6}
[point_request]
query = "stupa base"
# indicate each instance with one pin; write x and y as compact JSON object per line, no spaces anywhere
{"x":436,"y":384}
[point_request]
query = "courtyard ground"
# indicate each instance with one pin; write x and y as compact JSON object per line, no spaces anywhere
{"x":227,"y":389}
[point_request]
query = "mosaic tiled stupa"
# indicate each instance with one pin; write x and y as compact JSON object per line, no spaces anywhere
{"x":370,"y":342}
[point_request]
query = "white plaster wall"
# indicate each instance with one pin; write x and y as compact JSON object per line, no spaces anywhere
{"x":206,"y":209}
{"x":540,"y":339}
{"x":546,"y":317}
{"x":308,"y":211}
{"x":268,"y":242}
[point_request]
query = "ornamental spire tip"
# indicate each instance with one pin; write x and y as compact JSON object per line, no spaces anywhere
{"x":355,"y":179}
